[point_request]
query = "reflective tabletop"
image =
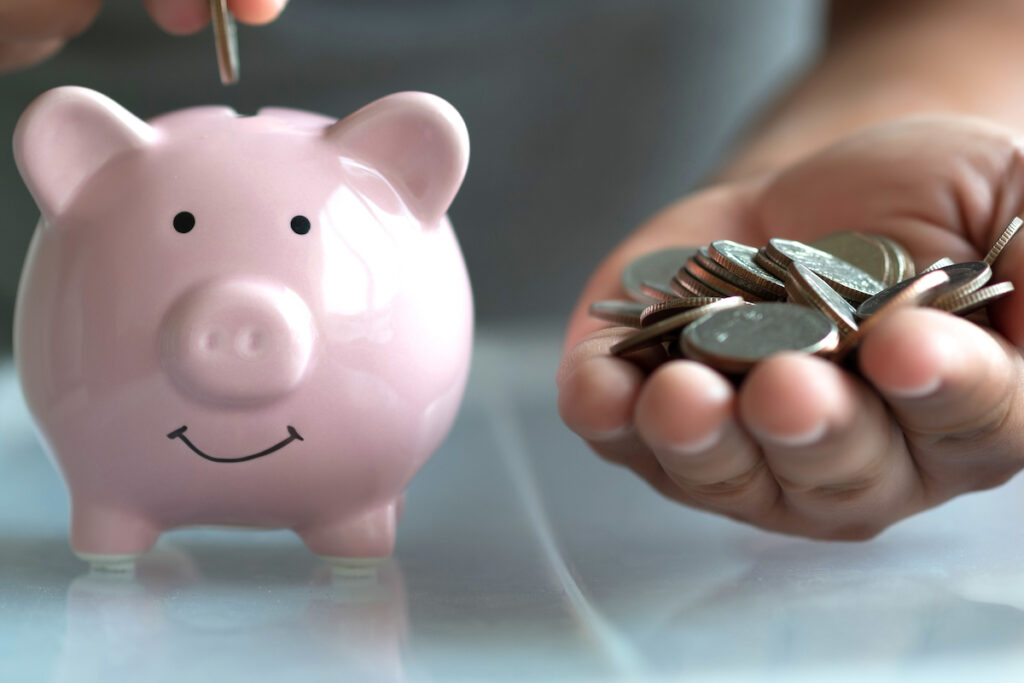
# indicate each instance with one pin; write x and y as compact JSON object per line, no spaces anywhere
{"x":521,"y":556}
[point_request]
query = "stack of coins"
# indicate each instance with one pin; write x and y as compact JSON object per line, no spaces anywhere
{"x":730,"y":305}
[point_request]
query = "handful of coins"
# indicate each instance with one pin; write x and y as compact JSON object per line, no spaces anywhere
{"x":730,"y":305}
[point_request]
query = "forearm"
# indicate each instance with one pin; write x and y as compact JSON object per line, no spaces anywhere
{"x":886,"y":59}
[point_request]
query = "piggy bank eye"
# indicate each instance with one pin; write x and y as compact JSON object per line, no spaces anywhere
{"x":184,"y":221}
{"x":300,"y":225}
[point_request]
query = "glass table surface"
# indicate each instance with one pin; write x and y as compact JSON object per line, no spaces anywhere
{"x":521,"y":556}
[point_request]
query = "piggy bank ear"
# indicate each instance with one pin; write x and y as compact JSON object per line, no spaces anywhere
{"x":65,"y":136}
{"x":418,"y":142}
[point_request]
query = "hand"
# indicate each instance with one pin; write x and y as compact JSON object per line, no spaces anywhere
{"x":32,"y":30}
{"x":803,"y":446}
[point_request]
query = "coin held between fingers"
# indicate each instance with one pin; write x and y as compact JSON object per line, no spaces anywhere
{"x":225,"y":40}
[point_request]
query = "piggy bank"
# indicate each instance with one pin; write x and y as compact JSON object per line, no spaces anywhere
{"x":258,"y":321}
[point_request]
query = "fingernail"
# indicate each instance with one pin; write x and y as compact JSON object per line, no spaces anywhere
{"x":698,"y":445}
{"x":804,"y":438}
{"x":926,"y":388}
{"x":608,"y":434}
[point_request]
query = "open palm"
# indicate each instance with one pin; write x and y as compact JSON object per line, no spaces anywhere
{"x":803,"y":446}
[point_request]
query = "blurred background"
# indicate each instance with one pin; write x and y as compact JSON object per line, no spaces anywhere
{"x":585,"y":116}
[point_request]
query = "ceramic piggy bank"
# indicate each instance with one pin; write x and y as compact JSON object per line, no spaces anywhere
{"x":258,"y":321}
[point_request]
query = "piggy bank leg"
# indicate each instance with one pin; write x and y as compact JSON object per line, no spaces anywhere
{"x":355,"y":546}
{"x":110,"y":539}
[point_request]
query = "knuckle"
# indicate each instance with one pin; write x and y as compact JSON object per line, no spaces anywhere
{"x":848,"y":492}
{"x":851,"y":490}
{"x":981,"y":428}
{"x":725,"y":489}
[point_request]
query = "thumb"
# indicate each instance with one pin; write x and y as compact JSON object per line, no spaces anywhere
{"x":941,"y":186}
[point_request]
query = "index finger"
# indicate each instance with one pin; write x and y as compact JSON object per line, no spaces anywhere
{"x":181,"y":17}
{"x":42,"y":20}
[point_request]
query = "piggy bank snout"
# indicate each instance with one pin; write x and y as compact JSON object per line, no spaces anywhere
{"x":237,"y":341}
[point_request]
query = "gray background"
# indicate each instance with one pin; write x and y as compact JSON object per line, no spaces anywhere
{"x":585,"y":116}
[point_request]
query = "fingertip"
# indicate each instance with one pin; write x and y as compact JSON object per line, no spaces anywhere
{"x":257,"y":11}
{"x":42,"y":20}
{"x":597,"y":397}
{"x":179,"y":17}
{"x":683,"y":405}
{"x":789,"y":398}
{"x":907,"y":355}
{"x":21,"y":55}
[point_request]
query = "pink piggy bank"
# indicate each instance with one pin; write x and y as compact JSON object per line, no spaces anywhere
{"x":260,"y":321}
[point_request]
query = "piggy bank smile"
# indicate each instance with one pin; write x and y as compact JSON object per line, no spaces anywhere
{"x":179,"y":433}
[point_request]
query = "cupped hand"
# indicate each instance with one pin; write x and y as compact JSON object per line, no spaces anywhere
{"x":803,"y":446}
{"x":32,"y":30}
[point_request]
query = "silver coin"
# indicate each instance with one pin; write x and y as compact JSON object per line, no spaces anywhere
{"x":657,"y":291}
{"x":941,"y":263}
{"x":225,"y":38}
{"x":902,"y":263}
{"x":972,"y":301}
{"x":687,"y":285}
{"x":713,"y":281}
{"x":918,"y":291}
{"x":816,"y":293}
{"x":704,"y":260}
{"x":734,"y":340}
{"x":618,"y":312}
{"x":863,"y":251}
{"x":1004,"y":238}
{"x":764,"y":259}
{"x":846,"y":278}
{"x":666,"y":309}
{"x":657,"y":267}
{"x":739,"y":259}
{"x":665,"y":329}
{"x":963,"y":278}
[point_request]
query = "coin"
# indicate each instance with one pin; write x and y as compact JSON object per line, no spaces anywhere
{"x":847,"y":279}
{"x":225,"y":40}
{"x":941,"y":263}
{"x":1004,"y":238}
{"x":686,"y":284}
{"x":918,"y":291}
{"x":708,"y":278}
{"x":764,"y":259}
{"x":656,"y":267}
{"x":714,"y":312}
{"x":703,"y":259}
{"x":666,"y":309}
{"x":739,"y":259}
{"x":665,"y":329}
{"x":811,"y":290}
{"x":618,"y":312}
{"x":657,"y":291}
{"x":962,"y":278}
{"x":902,"y":267}
{"x":734,"y":340}
{"x":863,"y":251}
{"x":972,"y":301}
